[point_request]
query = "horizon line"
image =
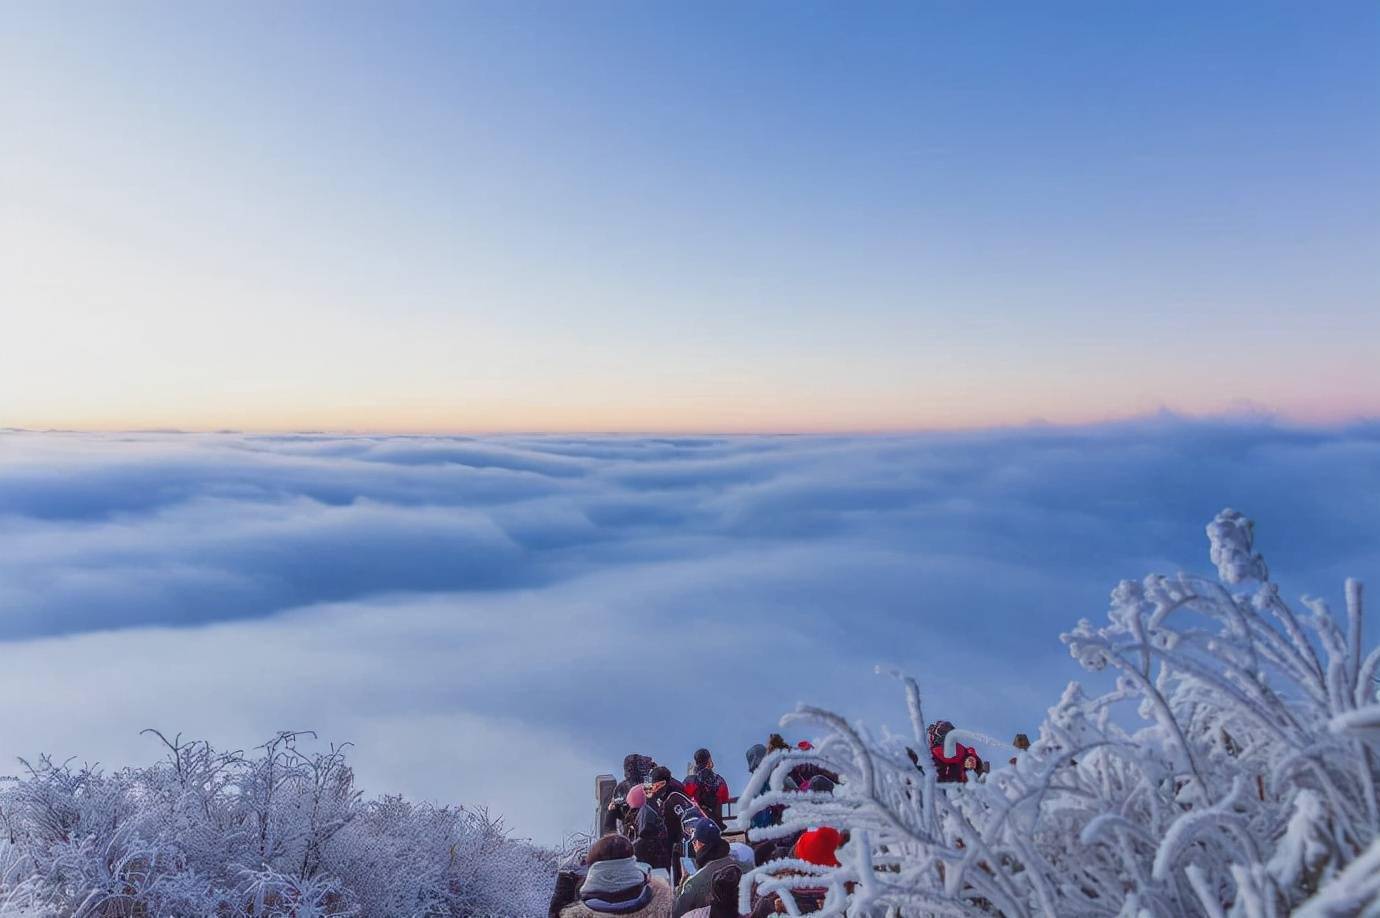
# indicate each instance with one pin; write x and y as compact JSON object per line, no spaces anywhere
{"x":1259,"y":417}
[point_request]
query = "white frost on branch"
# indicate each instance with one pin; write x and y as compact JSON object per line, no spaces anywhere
{"x":281,"y":831}
{"x":1230,"y":770}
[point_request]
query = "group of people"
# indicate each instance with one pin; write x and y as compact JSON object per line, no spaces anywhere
{"x":663,"y":853}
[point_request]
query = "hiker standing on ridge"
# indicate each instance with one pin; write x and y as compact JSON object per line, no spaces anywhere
{"x":707,"y":788}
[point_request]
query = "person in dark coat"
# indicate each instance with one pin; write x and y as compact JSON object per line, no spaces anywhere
{"x":680,"y":814}
{"x":707,"y":788}
{"x":619,"y":814}
{"x":951,"y":769}
{"x":652,"y":841}
{"x":711,"y":854}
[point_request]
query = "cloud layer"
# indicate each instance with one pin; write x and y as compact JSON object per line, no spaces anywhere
{"x":493,"y":620}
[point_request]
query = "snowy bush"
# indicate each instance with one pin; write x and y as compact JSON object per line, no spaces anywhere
{"x":279,"y":832}
{"x":1229,"y":770}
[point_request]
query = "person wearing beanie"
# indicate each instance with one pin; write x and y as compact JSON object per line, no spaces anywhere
{"x":816,"y":846}
{"x":666,"y":796}
{"x":615,"y":884}
{"x":820,"y":846}
{"x":707,"y":788}
{"x":712,"y":854}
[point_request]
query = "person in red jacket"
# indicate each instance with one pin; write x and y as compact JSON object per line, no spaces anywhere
{"x":707,"y":788}
{"x":954,"y":768}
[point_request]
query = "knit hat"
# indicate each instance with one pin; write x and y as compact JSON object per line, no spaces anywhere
{"x":701,"y":757}
{"x":743,"y":854}
{"x":805,"y":744}
{"x":818,"y":846}
{"x":660,"y":773}
{"x":707,"y":832}
{"x":755,"y":755}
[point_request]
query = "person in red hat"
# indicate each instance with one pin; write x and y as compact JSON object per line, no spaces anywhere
{"x":820,"y":846}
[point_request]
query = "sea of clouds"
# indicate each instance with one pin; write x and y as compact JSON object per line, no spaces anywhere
{"x":494,"y":620}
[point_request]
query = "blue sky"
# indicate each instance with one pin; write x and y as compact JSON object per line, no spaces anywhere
{"x":628,"y":216}
{"x":486,"y":616}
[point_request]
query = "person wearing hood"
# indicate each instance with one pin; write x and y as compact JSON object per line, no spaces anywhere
{"x":711,"y":854}
{"x":707,"y":788}
{"x":615,"y":883}
{"x":635,"y":770}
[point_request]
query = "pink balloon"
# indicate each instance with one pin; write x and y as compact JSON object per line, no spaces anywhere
{"x":637,"y":797}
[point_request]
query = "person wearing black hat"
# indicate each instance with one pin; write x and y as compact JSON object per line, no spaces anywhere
{"x":711,"y":854}
{"x":678,"y":812}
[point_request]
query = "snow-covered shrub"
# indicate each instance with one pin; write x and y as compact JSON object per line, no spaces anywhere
{"x":1231,"y":769}
{"x":279,"y":832}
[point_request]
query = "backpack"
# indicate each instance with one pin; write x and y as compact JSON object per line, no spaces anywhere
{"x":707,"y":790}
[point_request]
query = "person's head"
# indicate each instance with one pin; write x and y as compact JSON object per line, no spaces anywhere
{"x":611,"y":847}
{"x":805,"y":744}
{"x":938,"y":730}
{"x":755,"y":755}
{"x":703,"y":759}
{"x":776,"y":741}
{"x":820,"y":846}
{"x":657,"y":779}
{"x":635,"y":767}
{"x":820,"y":785}
{"x":706,"y":837}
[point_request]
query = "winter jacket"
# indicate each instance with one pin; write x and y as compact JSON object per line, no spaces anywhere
{"x":652,"y":844}
{"x":635,"y":770}
{"x":710,"y":793}
{"x":659,"y":907}
{"x":949,"y":769}
{"x":677,"y":810}
{"x":697,"y":889}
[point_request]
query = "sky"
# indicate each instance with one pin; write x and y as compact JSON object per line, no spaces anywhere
{"x":709,"y":217}
{"x":493,"y":621}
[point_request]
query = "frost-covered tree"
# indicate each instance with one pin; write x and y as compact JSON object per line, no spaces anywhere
{"x":1229,"y":769}
{"x":281,"y":831}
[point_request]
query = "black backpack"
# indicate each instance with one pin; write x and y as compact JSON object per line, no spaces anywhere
{"x":707,"y":791}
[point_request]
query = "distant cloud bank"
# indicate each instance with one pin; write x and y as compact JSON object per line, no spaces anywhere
{"x":492,"y":620}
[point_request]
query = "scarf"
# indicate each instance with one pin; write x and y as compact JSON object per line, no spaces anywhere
{"x":615,"y":884}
